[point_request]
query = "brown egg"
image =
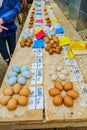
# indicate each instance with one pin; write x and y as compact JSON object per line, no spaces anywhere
{"x":53,"y":92}
{"x":8,"y":91}
{"x":47,"y":18}
{"x":50,"y":37}
{"x":52,"y":42}
{"x":47,"y":41}
{"x":30,"y":26}
{"x":57,"y":100}
{"x":73,"y":94}
{"x":55,"y":45}
{"x":22,"y":44}
{"x":58,"y":85}
{"x":29,"y":40}
{"x":68,"y":86}
{"x":47,"y":48}
{"x":31,"y":23}
{"x":28,"y":44}
{"x":4,"y":100}
{"x":57,"y":51}
{"x":12,"y":104}
{"x":60,"y":47}
{"x":16,"y":88}
{"x":68,"y":101}
{"x":22,"y":100}
{"x":51,"y":51}
{"x":24,"y":92}
{"x":56,"y":40}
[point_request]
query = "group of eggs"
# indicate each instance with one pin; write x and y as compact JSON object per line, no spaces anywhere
{"x":52,"y":45}
{"x":26,"y":42}
{"x":68,"y":98}
{"x":31,"y":22}
{"x":58,"y":72}
{"x":15,"y":95}
{"x":18,"y":75}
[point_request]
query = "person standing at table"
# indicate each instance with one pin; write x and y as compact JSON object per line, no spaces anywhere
{"x":9,"y":9}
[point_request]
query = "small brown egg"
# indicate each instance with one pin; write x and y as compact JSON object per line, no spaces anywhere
{"x":16,"y":88}
{"x":57,"y":51}
{"x":57,"y":100}
{"x":8,"y":91}
{"x":12,"y":104}
{"x":53,"y":92}
{"x":68,"y":86}
{"x":73,"y":94}
{"x":47,"y":18}
{"x":47,"y":41}
{"x":50,"y":37}
{"x":47,"y":48}
{"x":22,"y":100}
{"x":22,"y":44}
{"x":58,"y":85}
{"x":52,"y":42}
{"x":29,"y":40}
{"x":30,"y":26}
{"x":56,"y":40}
{"x":24,"y":92}
{"x":55,"y":45}
{"x":4,"y":100}
{"x":28,"y":44}
{"x":31,"y":23}
{"x":68,"y":101}
{"x":60,"y":47}
{"x":51,"y":52}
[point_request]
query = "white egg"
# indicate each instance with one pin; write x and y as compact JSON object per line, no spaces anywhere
{"x":59,"y":68}
{"x":65,"y":72}
{"x":62,"y":77}
{"x":54,"y":77}
{"x":51,"y":72}
{"x":53,"y":68}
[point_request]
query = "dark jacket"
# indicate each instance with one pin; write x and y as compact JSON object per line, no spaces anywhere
{"x":8,"y":12}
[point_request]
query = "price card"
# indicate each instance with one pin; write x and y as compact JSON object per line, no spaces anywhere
{"x":54,"y":20}
{"x":36,"y":31}
{"x":64,"y":41}
{"x":73,"y":77}
{"x":49,"y":7}
{"x":34,"y":72}
{"x":34,"y":65}
{"x":34,"y":80}
{"x":37,"y":52}
{"x":36,"y":98}
{"x":69,"y":54}
{"x":31,"y":105}
{"x":67,"y":61}
{"x":60,"y":35}
{"x":38,"y":24}
{"x":39,"y":72}
{"x":37,"y":27}
{"x":39,"y":80}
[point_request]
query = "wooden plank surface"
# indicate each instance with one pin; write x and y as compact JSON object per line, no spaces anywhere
{"x":18,"y":58}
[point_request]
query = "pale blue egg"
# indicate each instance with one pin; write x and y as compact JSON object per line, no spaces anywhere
{"x":16,"y":69}
{"x":11,"y":81}
{"x":11,"y":74}
{"x":26,"y":74}
{"x":24,"y":68}
{"x":22,"y":80}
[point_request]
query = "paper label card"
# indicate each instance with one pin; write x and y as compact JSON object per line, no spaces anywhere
{"x":64,"y":41}
{"x":54,"y":20}
{"x":37,"y":52}
{"x":36,"y":99}
{"x":38,"y":43}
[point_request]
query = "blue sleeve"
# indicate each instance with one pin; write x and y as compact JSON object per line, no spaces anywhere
{"x":10,"y":15}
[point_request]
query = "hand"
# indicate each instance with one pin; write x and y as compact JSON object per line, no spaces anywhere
{"x":2,"y":27}
{"x":1,"y":21}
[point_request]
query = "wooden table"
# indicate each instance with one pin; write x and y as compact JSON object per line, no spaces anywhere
{"x":18,"y":59}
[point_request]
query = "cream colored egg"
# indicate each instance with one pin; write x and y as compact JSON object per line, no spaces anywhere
{"x":60,"y":68}
{"x":62,"y":77}
{"x":65,"y":72}
{"x":54,"y":77}
{"x":51,"y":72}
{"x":53,"y":68}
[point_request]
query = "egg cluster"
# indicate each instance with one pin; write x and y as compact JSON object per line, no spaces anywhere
{"x":58,"y":72}
{"x":68,"y":99}
{"x":31,"y":22}
{"x":18,"y":75}
{"x":26,"y":42}
{"x":52,"y":45}
{"x":11,"y":101}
